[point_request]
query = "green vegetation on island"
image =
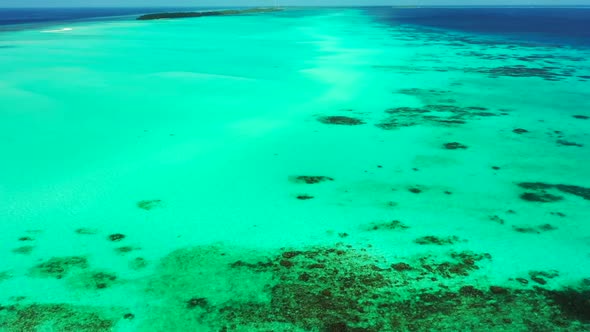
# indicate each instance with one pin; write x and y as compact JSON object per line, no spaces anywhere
{"x":158,"y":16}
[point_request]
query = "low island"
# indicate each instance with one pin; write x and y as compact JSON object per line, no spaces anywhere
{"x":226,"y":12}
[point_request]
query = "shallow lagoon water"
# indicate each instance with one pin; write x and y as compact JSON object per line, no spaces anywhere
{"x":312,"y":170}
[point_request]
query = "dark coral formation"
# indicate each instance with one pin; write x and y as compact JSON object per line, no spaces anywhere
{"x":401,"y":267}
{"x":454,"y":146}
{"x":95,"y":280}
{"x":501,"y":57}
{"x":540,"y":276}
{"x":581,"y":117}
{"x":433,"y":114}
{"x":497,"y":219}
{"x":423,"y":92}
{"x":415,"y":190}
{"x":5,"y":275}
{"x":311,"y":179}
{"x":149,"y":204}
{"x":460,"y":264}
{"x":307,"y":289}
{"x":125,"y":249}
{"x":548,"y":73}
{"x":568,"y":143}
{"x":497,"y":309}
{"x":304,"y":197}
{"x":342,"y":289}
{"x":116,"y":237}
{"x":520,"y":131}
{"x":338,"y":300}
{"x":535,"y":185}
{"x":534,"y":230}
{"x":573,"y":304}
{"x":430,"y":96}
{"x":540,"y":197}
{"x":59,"y":267}
{"x":138,"y":263}
{"x":574,"y":190}
{"x":340,"y":120}
{"x":436,"y":240}
{"x":540,"y":191}
{"x":537,"y":65}
{"x":23,"y":250}
{"x":197,"y":302}
{"x":546,"y":228}
{"x":439,"y":109}
{"x":86,"y":231}
{"x":57,"y":317}
{"x":390,"y":225}
{"x":259,"y":266}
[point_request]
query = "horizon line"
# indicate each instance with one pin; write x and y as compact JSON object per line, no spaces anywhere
{"x":300,"y":6}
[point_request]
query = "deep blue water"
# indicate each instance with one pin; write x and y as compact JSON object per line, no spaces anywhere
{"x":9,"y":16}
{"x":37,"y":15}
{"x":552,"y":25}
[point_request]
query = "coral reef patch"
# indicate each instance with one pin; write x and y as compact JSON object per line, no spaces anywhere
{"x":311,"y":179}
{"x":340,"y":120}
{"x":454,"y":146}
{"x":390,"y":225}
{"x":23,"y":250}
{"x":149,"y":204}
{"x":343,"y":289}
{"x":57,"y":317}
{"x":425,"y":240}
{"x":568,"y":143}
{"x":59,"y":267}
{"x":432,"y":114}
{"x":540,"y":191}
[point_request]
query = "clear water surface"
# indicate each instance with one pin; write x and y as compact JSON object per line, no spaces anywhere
{"x":344,"y":169}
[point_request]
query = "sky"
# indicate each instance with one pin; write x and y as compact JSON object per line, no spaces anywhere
{"x":193,"y":3}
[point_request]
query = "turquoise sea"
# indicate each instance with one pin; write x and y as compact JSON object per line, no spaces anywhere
{"x":348,"y":169}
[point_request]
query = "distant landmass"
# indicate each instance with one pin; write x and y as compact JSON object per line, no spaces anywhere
{"x":227,"y":12}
